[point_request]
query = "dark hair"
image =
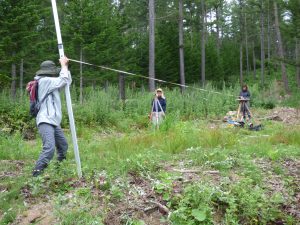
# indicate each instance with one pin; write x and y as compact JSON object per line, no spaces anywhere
{"x":245,"y":86}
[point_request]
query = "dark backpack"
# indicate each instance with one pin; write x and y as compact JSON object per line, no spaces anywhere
{"x":256,"y":128}
{"x":33,"y":90}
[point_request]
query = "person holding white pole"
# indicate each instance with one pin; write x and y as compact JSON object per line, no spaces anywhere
{"x":50,"y":115}
{"x":67,"y":90}
{"x":159,"y":105}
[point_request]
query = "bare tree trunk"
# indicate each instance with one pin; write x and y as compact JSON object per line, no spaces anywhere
{"x":151,"y":45}
{"x":221,"y":28}
{"x":241,"y":64}
{"x":210,"y":19}
{"x":205,"y":19}
{"x":280,"y":50}
{"x":262,"y":45}
{"x":143,"y":88}
{"x":106,"y":85}
{"x":81,"y":78}
{"x":21,"y":76}
{"x":218,"y":29}
{"x":241,"y":40}
{"x":13,"y":78}
{"x":181,"y":46}
{"x":246,"y":46}
{"x":269,"y":40}
{"x":297,"y":63}
{"x":254,"y":62}
{"x":203,"y":16}
{"x":122,"y":86}
{"x":191,"y":31}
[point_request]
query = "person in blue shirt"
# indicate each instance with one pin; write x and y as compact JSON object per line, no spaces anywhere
{"x":159,"y":106}
{"x":245,"y":98}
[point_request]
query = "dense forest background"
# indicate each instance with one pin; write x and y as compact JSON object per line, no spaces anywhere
{"x":182,"y":41}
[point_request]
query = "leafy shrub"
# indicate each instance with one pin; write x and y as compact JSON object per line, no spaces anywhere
{"x":242,"y":202}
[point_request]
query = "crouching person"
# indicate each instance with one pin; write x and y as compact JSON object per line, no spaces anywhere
{"x":49,"y":116}
{"x":159,"y":105}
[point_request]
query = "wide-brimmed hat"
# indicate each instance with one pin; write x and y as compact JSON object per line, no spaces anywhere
{"x":159,"y":90}
{"x":48,"y":68}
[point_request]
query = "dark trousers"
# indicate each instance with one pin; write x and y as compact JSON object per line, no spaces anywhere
{"x":245,"y":109}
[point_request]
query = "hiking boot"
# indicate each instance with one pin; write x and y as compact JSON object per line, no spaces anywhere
{"x":36,"y":173}
{"x":38,"y":170}
{"x":60,"y":159}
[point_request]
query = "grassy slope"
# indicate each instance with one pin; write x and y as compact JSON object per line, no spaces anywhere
{"x":201,"y":171}
{"x":239,"y":193}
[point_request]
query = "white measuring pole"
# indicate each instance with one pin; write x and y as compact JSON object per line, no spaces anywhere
{"x":67,"y":90}
{"x":156,"y":113}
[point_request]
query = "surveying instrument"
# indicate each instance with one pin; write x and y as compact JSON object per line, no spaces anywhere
{"x":243,"y":109}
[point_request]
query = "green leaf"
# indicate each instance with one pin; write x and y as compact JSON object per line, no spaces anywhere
{"x":166,"y":196}
{"x":199,"y":215}
{"x":139,"y":222}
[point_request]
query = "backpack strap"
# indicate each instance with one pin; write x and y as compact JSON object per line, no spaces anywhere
{"x":46,"y":96}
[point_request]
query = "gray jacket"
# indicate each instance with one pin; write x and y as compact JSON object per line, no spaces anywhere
{"x":50,"y":111}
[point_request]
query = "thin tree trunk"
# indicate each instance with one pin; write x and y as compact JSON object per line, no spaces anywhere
{"x":21,"y":76}
{"x":297,"y":63}
{"x":241,"y":64}
{"x":181,"y":46}
{"x":205,"y":17}
{"x":203,"y":43}
{"x":218,"y":29}
{"x":191,"y":30}
{"x":122,"y":86}
{"x":280,"y":50}
{"x":143,"y":89}
{"x":262,"y":45}
{"x":246,"y":46}
{"x":151,"y":45}
{"x":106,"y":85}
{"x":221,"y":28}
{"x":254,"y":62}
{"x":241,"y":41}
{"x":210,"y":20}
{"x":269,"y":40}
{"x":13,"y":78}
{"x":81,"y":78}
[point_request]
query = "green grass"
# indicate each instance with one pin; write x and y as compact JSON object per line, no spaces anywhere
{"x":146,"y":152}
{"x":103,"y":110}
{"x":116,"y":142}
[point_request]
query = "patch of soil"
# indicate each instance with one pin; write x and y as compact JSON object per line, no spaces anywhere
{"x":15,"y":167}
{"x":275,"y":184}
{"x":19,"y":164}
{"x":29,"y":134}
{"x":121,"y":213}
{"x":285,"y":115}
{"x":41,"y":213}
{"x":293,"y":169}
{"x":3,"y":188}
{"x":6,"y":174}
{"x":140,"y":203}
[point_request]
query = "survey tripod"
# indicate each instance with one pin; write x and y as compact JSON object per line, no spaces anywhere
{"x":243,"y":109}
{"x":158,"y":119}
